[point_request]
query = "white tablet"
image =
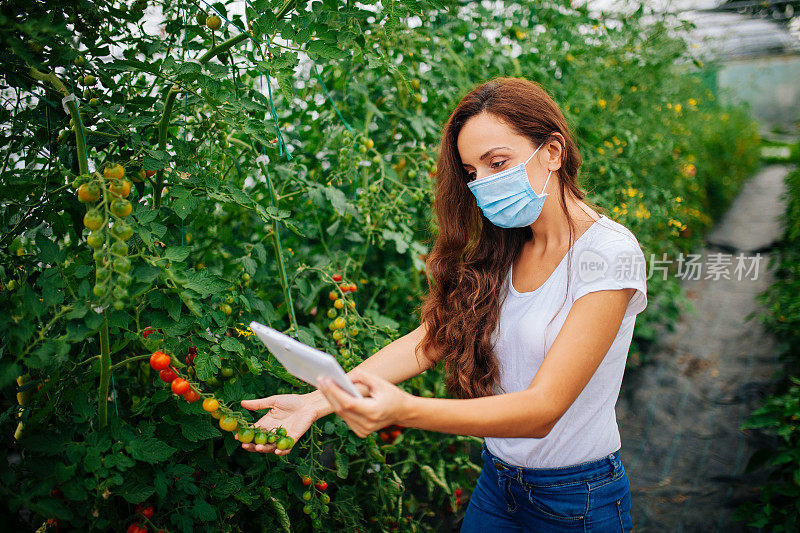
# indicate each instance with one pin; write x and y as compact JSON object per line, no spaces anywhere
{"x":302,"y":360}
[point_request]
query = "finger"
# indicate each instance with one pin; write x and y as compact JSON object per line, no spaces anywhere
{"x":370,"y":380}
{"x":258,"y":403}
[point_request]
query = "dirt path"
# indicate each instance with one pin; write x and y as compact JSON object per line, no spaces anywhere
{"x":679,"y":415}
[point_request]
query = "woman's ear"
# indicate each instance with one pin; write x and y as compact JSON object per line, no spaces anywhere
{"x":555,"y":152}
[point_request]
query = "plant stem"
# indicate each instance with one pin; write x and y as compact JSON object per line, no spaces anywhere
{"x":80,"y":131}
{"x":169,"y":102}
{"x":105,"y":373}
{"x":276,"y":241}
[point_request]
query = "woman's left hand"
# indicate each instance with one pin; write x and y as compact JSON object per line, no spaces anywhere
{"x":383,"y":407}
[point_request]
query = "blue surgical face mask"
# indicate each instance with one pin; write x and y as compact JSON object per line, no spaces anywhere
{"x":507,"y":198}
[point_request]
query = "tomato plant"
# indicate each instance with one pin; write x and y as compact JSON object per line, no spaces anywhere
{"x":273,"y":160}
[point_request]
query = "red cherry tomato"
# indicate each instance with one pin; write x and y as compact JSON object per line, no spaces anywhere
{"x":337,"y":277}
{"x":167,"y":375}
{"x":322,"y":485}
{"x":307,"y":480}
{"x":147,"y":512}
{"x":180,"y":386}
{"x":191,"y":396}
{"x":159,"y":360}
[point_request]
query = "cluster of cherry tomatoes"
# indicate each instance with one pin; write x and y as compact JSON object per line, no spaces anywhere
{"x":458,"y":492}
{"x":323,"y":498}
{"x":390,"y":434}
{"x":147,"y":512}
{"x":342,"y":326}
{"x":213,"y":22}
{"x":228,"y":421}
{"x":106,"y":199}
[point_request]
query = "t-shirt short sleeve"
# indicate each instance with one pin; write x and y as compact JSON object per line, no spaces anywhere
{"x":612,"y":264}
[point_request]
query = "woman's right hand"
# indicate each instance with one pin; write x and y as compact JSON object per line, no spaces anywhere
{"x":295,"y":412}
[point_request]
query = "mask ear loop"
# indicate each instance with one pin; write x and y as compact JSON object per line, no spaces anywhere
{"x":545,"y":182}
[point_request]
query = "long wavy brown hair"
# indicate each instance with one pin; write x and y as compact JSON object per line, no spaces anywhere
{"x":470,"y":257}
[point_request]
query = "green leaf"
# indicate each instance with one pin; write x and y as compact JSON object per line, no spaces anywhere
{"x":342,"y":464}
{"x":136,"y":492}
{"x":150,"y":450}
{"x":184,"y":203}
{"x":205,"y":284}
{"x":197,"y":428}
{"x":230,"y":344}
{"x":339,"y":201}
{"x":324,"y":50}
{"x":207,"y":365}
{"x":48,"y":250}
{"x":177,"y":253}
{"x":203,"y":511}
{"x":286,"y":83}
{"x":283,"y":517}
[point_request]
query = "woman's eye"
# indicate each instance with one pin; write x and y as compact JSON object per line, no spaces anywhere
{"x":500,"y":163}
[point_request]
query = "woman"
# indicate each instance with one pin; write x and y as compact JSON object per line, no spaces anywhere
{"x":534,"y":341}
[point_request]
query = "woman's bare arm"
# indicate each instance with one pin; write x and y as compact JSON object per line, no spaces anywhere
{"x":396,"y":362}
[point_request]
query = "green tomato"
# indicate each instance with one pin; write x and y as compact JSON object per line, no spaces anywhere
{"x":260,"y":438}
{"x":246,"y":435}
{"x":119,"y":248}
{"x":120,"y":293}
{"x":102,"y":273}
{"x":227,"y":371}
{"x":96,"y":239}
{"x":122,"y":265}
{"x":122,"y":230}
{"x":307,"y":495}
{"x":284,"y":443}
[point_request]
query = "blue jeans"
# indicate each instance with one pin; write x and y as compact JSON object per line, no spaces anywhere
{"x":590,"y":496}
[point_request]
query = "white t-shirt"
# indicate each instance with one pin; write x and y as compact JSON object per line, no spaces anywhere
{"x":606,"y":256}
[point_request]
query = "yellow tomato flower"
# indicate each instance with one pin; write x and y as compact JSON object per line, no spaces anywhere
{"x":677,"y":108}
{"x":692,"y":102}
{"x":601,"y":151}
{"x":601,"y":103}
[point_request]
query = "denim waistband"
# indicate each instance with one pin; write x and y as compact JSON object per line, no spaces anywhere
{"x":557,"y":475}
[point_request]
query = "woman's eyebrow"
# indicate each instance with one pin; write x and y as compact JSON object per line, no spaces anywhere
{"x":491,"y":151}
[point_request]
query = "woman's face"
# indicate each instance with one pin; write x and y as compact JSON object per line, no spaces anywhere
{"x":488,"y":146}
